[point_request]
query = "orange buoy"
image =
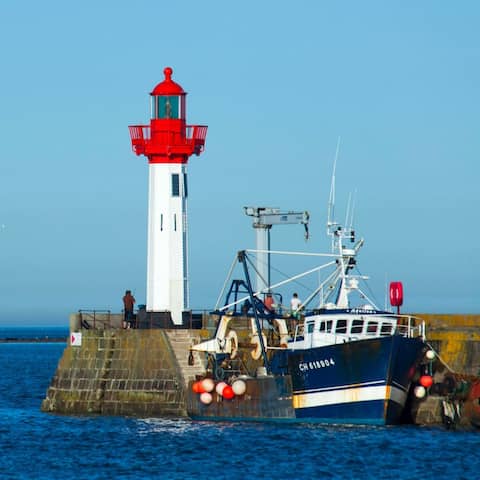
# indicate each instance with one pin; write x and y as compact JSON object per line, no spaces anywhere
{"x":197,"y":387}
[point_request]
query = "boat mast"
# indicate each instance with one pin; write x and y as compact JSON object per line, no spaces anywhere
{"x":331,"y":199}
{"x":346,"y":259}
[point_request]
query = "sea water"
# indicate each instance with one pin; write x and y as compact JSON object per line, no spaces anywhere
{"x":48,"y":446}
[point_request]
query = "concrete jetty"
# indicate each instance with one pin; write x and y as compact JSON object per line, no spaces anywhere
{"x":116,"y":371}
{"x":145,"y":372}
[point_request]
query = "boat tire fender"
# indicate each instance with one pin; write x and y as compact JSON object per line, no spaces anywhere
{"x":232,"y":343}
{"x":257,"y":351}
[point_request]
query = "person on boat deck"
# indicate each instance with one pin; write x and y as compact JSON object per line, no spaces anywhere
{"x":246,"y":306}
{"x":295,"y":303}
{"x":269,"y":303}
{"x":128,"y":303}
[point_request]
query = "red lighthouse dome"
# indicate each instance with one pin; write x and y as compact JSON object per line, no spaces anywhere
{"x":168,"y":86}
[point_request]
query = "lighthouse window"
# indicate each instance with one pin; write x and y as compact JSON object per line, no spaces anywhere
{"x":175,"y":185}
{"x":168,"y":106}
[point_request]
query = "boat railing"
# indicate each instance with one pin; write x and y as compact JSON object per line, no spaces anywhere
{"x":298,"y":332}
{"x":410,"y":326}
{"x":404,"y":325}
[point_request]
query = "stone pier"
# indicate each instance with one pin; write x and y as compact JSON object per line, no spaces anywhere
{"x":124,"y":372}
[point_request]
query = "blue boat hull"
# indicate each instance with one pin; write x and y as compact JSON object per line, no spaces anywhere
{"x":359,"y":382}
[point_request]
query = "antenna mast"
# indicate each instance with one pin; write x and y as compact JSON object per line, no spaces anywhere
{"x":331,"y":224}
{"x":331,"y":199}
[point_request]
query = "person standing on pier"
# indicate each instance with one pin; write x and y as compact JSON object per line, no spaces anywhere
{"x":128,"y":303}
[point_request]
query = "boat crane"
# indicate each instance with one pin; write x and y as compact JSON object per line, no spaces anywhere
{"x":264,"y":218}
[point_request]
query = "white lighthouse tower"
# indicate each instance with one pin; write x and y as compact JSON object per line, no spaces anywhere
{"x":167,"y":143}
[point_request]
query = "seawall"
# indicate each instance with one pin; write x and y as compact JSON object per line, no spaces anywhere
{"x":146,"y":372}
{"x":453,"y":399}
{"x":123,"y":372}
{"x":456,"y":337}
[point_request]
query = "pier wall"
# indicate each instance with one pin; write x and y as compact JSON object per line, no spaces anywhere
{"x":122,"y":372}
{"x":456,"y":337}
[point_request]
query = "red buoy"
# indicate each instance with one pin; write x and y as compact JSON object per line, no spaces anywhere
{"x":228,"y":392}
{"x":426,"y":381}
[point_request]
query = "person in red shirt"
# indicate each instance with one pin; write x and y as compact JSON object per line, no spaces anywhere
{"x":269,"y":303}
{"x":128,"y":303}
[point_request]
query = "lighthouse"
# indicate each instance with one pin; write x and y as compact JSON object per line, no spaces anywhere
{"x":167,"y":142}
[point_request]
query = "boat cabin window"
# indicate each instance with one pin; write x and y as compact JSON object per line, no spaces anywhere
{"x":357,"y":326}
{"x":372,"y":328}
{"x":386,"y":328}
{"x":326,"y":326}
{"x":310,"y":327}
{"x":341,"y":326}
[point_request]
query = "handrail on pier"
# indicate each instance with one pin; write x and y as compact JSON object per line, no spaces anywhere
{"x":91,"y":319}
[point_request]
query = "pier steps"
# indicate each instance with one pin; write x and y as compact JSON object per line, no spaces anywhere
{"x":181,"y":341}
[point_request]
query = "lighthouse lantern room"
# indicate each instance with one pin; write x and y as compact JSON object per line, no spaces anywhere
{"x":167,"y":142}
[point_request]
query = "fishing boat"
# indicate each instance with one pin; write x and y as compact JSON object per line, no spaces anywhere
{"x":329,"y":360}
{"x":336,"y":363}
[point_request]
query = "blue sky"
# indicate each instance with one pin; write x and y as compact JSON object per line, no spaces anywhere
{"x":277,"y":83}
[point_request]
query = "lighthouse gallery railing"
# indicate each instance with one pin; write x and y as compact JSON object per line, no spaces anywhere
{"x":141,"y":134}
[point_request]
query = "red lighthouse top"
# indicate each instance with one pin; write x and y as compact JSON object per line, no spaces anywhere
{"x":168,"y":86}
{"x":168,"y":139}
